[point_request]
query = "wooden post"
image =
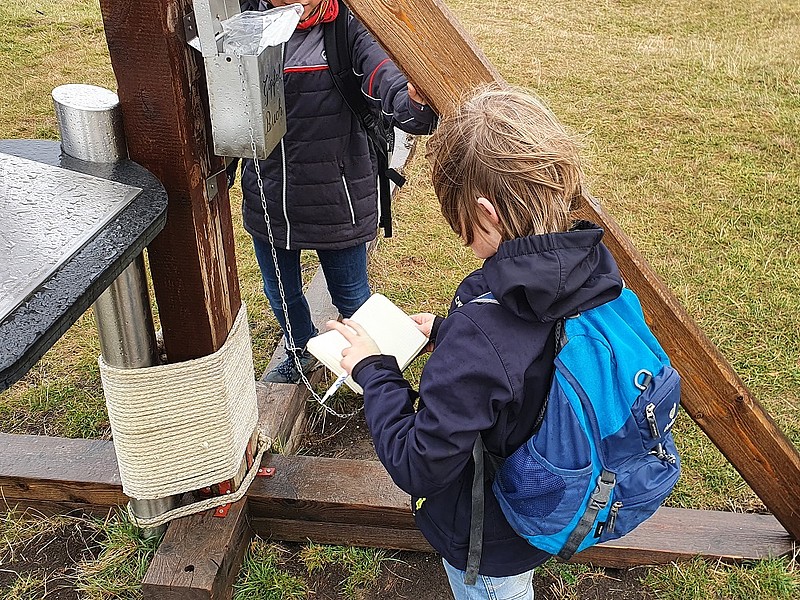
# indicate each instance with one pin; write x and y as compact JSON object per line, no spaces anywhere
{"x":425,"y":40}
{"x":164,"y":104}
{"x":162,"y":93}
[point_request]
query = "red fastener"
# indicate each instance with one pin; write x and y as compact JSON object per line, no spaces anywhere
{"x":222,"y":511}
{"x":266,"y":472}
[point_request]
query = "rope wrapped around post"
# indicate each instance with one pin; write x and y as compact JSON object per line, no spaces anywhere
{"x":184,"y":426}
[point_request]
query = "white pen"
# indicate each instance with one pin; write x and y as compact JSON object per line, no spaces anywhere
{"x":334,"y":388}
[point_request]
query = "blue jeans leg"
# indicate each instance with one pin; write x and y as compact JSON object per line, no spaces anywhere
{"x":515,"y":587}
{"x":302,"y":327}
{"x":346,"y":275}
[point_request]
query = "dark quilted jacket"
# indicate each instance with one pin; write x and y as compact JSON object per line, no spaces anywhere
{"x":320,"y":182}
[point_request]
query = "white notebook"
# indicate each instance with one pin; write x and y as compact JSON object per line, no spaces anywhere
{"x":394,"y":332}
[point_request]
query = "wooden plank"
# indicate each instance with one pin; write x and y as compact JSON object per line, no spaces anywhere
{"x":162,"y":91}
{"x":37,"y":471}
{"x":675,"y":534}
{"x":337,"y":501}
{"x":354,"y":502}
{"x":416,"y":35}
{"x":306,"y":488}
{"x":281,"y":406}
{"x":161,"y":87}
{"x":340,"y":534}
{"x":191,"y":565}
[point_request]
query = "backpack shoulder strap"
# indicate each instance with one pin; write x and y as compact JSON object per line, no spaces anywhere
{"x":340,"y":65}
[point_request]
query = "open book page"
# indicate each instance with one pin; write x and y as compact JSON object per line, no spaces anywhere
{"x":394,"y":332}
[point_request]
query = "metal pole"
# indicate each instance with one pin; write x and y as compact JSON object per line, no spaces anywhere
{"x":90,"y":125}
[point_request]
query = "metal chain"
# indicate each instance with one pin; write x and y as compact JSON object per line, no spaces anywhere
{"x":290,"y":346}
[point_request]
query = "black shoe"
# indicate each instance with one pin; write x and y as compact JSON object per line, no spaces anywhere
{"x":286,"y":371}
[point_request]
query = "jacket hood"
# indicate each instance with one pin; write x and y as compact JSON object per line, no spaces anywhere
{"x":546,"y":277}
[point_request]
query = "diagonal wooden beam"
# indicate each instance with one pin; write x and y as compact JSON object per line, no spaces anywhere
{"x":425,"y":39}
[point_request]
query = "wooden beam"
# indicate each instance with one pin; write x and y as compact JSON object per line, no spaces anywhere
{"x":55,"y":475}
{"x":427,"y":42}
{"x":162,"y":91}
{"x":424,"y":38}
{"x":335,"y":501}
{"x":214,"y":547}
{"x":353,"y":502}
{"x":191,"y":564}
{"x":676,"y":534}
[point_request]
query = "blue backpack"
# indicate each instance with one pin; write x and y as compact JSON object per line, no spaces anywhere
{"x":603,"y":458}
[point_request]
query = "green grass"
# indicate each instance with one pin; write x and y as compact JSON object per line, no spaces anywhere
{"x":119,"y":568}
{"x":26,"y":587}
{"x":110,"y":565}
{"x":690,"y":113}
{"x":775,"y":579}
{"x":262,"y":577}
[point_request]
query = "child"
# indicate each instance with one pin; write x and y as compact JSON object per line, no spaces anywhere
{"x":320,"y":184}
{"x":508,"y":178}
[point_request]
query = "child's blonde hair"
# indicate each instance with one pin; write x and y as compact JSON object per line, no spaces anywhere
{"x":505,"y":145}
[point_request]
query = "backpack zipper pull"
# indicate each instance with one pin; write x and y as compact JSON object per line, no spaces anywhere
{"x":612,"y":517}
{"x":650,"y":413}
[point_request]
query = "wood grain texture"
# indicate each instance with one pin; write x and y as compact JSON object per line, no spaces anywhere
{"x":349,"y":534}
{"x":355,"y":502}
{"x":422,"y":37}
{"x":675,"y":534}
{"x":161,"y":86}
{"x":37,"y":471}
{"x":428,"y":43}
{"x":191,"y":564}
{"x":213,"y":546}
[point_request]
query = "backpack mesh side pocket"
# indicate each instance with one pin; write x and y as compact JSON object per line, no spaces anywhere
{"x":537,"y":496}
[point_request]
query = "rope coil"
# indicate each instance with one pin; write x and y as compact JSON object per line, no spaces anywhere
{"x":264,"y":444}
{"x":179,"y":427}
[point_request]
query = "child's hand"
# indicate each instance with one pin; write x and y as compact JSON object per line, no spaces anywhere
{"x":361,"y":345}
{"x":424,"y":323}
{"x":414,"y":95}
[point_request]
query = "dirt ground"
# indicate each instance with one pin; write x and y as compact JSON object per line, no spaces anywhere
{"x":54,"y":555}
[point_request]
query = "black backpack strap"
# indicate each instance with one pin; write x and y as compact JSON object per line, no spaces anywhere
{"x":476,"y":520}
{"x":340,"y":64}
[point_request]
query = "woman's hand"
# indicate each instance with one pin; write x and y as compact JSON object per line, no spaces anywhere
{"x":415,"y":96}
{"x":361,"y":344}
{"x":424,"y":323}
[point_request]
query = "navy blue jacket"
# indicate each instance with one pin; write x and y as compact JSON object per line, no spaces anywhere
{"x":320,"y":182}
{"x":488,"y":375}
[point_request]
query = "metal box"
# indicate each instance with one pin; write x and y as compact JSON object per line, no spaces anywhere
{"x":245,"y":88}
{"x":247,"y":106}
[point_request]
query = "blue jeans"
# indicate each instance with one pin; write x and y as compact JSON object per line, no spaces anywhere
{"x":515,"y":587}
{"x":345,"y":273}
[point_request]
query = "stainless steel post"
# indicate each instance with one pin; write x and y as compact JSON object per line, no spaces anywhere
{"x":90,"y":125}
